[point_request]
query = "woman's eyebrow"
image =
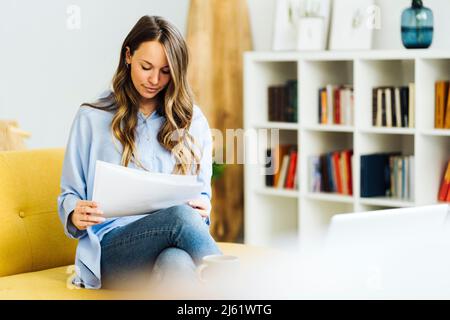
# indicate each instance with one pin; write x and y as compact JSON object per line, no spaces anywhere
{"x":152,"y":64}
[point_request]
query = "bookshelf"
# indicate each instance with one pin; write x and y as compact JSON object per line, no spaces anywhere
{"x":300,"y":215}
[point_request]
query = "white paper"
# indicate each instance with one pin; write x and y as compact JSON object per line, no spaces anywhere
{"x":122,"y":191}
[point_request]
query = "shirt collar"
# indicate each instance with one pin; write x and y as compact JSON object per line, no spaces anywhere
{"x":153,"y":115}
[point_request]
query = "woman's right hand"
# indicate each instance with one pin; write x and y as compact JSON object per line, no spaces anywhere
{"x":86,"y":214}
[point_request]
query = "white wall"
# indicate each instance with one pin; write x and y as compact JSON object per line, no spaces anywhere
{"x":48,"y":70}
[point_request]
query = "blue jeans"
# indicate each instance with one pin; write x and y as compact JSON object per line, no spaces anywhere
{"x":170,"y":240}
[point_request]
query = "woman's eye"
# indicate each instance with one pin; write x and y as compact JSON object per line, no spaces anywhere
{"x":166,"y":72}
{"x":144,"y":68}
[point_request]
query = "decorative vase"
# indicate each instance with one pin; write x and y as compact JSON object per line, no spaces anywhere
{"x":417,"y":26}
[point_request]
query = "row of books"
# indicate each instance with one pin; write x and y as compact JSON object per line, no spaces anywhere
{"x":281,"y":167}
{"x":336,"y":105}
{"x":444,"y":188}
{"x":442,"y":105}
{"x":393,"y":106}
{"x":387,"y":174}
{"x":331,"y":172}
{"x":283,"y":102}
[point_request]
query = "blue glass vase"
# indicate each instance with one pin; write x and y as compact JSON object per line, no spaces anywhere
{"x":417,"y":26}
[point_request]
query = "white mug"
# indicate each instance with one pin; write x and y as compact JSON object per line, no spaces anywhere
{"x":218,"y":267}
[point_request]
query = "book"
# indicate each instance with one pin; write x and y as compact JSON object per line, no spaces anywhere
{"x":404,"y":105}
{"x":375,"y":175}
{"x":337,"y":105}
{"x":324,"y":106}
{"x":283,"y":171}
{"x":280,"y":151}
{"x":324,"y":179}
{"x":387,"y":94}
{"x":441,"y":90}
{"x":445,"y":184}
{"x":411,"y":103}
{"x":447,"y":111}
{"x":337,"y":170}
{"x":383,"y":108}
{"x":291,"y":169}
{"x":398,"y":113}
{"x":315,"y":174}
{"x":330,"y":103}
{"x":349,"y":164}
{"x":411,"y":178}
{"x":344,"y":173}
{"x":379,"y":120}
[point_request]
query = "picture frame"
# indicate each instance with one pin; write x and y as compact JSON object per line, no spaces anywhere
{"x":301,"y":25}
{"x":313,"y":24}
{"x":285,"y":31}
{"x":350,"y":28}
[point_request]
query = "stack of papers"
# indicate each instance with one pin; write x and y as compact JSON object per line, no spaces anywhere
{"x":122,"y":191}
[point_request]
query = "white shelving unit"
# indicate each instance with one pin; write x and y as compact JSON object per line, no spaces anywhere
{"x":272,"y":214}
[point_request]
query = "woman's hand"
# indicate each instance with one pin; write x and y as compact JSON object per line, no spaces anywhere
{"x":86,"y":214}
{"x":200,"y":206}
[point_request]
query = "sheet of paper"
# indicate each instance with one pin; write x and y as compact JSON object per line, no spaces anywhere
{"x":122,"y":191}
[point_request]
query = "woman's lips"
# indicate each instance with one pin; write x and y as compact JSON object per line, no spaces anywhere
{"x":151,"y":89}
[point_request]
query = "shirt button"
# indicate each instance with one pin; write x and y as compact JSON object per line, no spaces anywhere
{"x":22,"y":214}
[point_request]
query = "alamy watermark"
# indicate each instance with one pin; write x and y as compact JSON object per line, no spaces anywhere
{"x":243,"y":146}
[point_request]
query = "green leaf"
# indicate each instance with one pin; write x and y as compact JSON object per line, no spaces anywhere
{"x":217,"y":170}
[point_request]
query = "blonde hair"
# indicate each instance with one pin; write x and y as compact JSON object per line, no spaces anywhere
{"x":175,"y":102}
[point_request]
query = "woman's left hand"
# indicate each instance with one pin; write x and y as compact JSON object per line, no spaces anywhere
{"x":200,"y":206}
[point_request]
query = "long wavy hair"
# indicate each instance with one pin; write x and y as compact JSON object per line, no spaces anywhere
{"x":175,"y":102}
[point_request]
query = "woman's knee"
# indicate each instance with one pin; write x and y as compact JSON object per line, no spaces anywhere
{"x":170,"y":255}
{"x":186,"y":215}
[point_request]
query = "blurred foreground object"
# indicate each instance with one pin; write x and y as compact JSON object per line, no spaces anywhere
{"x":11,"y":137}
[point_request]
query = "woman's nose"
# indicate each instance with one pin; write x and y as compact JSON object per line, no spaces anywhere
{"x":154,"y":78}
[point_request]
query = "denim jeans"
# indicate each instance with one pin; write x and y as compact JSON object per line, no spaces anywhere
{"x":172,"y":240}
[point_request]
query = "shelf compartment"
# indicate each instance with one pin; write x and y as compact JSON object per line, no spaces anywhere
{"x":375,"y":142}
{"x":430,"y":163}
{"x":377,"y":73}
{"x":428,"y":72}
{"x":258,"y":76}
{"x":315,"y":75}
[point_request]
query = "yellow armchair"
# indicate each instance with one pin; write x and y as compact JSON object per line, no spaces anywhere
{"x":36,"y":257}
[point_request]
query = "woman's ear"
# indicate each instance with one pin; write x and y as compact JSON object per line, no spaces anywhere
{"x":127,"y":55}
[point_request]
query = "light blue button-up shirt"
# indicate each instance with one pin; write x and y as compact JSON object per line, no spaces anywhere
{"x":90,"y":140}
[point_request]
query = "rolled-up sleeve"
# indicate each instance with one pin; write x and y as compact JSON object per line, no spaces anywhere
{"x":73,"y":179}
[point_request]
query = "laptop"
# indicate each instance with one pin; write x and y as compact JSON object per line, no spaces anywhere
{"x":392,"y":226}
{"x":395,"y":253}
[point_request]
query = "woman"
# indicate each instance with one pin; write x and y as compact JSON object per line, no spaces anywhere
{"x":148,"y":122}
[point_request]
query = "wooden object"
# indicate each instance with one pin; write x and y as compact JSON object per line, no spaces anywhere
{"x":218,"y":34}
